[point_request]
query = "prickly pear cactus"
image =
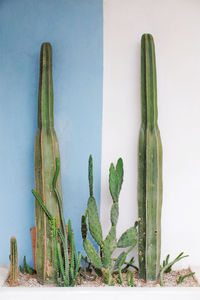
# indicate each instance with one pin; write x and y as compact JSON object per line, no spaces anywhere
{"x":149,"y":168}
{"x":104,"y":261}
{"x":13,"y":261}
{"x":46,"y":152}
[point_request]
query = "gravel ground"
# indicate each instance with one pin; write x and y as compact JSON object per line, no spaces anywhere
{"x":25,"y":280}
{"x":170,"y":280}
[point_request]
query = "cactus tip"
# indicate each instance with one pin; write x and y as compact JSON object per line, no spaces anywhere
{"x":45,"y":44}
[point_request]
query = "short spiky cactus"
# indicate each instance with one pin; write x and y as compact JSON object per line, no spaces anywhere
{"x":46,"y":151}
{"x":13,"y":261}
{"x":105,"y":262}
{"x":149,"y":168}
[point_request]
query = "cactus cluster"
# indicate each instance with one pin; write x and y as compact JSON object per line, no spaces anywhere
{"x":56,"y":256}
{"x":46,"y":151}
{"x":65,"y":261}
{"x":104,"y":261}
{"x":26,"y":269}
{"x":13,"y":261}
{"x":149,"y":168}
{"x":129,"y":278}
{"x":167,"y":266}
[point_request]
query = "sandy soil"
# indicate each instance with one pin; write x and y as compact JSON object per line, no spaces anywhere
{"x":170,"y":280}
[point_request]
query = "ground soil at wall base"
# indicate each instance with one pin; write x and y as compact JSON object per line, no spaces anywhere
{"x":170,"y":280}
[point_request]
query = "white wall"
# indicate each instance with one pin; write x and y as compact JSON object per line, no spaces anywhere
{"x":175,"y":25}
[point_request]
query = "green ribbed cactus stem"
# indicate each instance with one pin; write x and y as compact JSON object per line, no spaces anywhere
{"x":13,"y":261}
{"x":149,"y":168}
{"x":46,"y":152}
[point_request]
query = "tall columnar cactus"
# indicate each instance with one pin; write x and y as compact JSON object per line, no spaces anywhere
{"x":46,"y":151}
{"x":105,"y":262}
{"x":13,"y":261}
{"x":149,"y":168}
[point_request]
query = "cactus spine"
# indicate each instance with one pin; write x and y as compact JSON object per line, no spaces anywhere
{"x":46,"y":151}
{"x":13,"y":261}
{"x":149,"y":168}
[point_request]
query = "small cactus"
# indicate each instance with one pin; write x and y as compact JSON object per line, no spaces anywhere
{"x":104,"y":262}
{"x":26,"y":269}
{"x":181,"y":278}
{"x":167,"y":266}
{"x":13,"y":261}
{"x":129,"y":278}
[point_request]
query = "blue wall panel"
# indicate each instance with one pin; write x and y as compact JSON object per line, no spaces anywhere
{"x":74,"y":28}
